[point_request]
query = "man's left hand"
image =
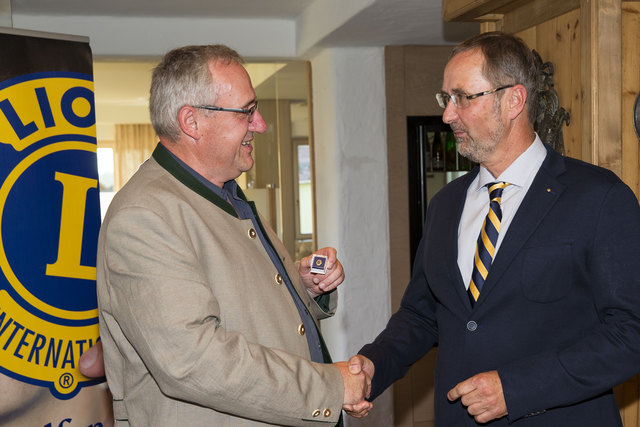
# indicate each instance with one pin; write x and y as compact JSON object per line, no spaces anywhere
{"x":482,"y":395}
{"x":92,"y":362}
{"x":318,"y":284}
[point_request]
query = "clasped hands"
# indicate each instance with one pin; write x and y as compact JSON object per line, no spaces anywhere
{"x":356,"y":375}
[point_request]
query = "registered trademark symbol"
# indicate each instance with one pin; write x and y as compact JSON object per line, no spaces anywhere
{"x":66,"y":380}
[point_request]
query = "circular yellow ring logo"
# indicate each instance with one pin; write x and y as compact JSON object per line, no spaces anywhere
{"x":4,"y":263}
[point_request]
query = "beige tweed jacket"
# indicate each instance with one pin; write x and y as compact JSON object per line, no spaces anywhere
{"x":197,"y":328}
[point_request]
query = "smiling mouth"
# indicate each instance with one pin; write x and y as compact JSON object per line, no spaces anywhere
{"x":247,"y":143}
{"x":457,"y":132}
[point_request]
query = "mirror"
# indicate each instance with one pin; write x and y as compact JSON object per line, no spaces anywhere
{"x":281,"y":181}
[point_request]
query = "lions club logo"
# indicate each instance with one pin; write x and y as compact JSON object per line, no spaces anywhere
{"x":49,"y":222}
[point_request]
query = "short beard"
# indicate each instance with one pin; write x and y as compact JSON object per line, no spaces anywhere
{"x":478,"y":151}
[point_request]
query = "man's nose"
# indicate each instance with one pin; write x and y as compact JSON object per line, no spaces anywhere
{"x":450,"y":113}
{"x":258,"y":124}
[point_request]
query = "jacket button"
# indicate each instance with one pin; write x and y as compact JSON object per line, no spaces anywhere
{"x":278,"y":278}
{"x":472,"y":326}
{"x":252,"y":233}
{"x":301,"y":329}
{"x":316,"y":413}
{"x":327,"y":413}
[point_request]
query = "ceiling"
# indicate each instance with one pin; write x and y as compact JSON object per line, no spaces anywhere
{"x":365,"y":22}
{"x":165,"y":8}
{"x":121,"y":86}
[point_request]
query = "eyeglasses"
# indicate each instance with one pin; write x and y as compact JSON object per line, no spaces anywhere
{"x":461,"y":100}
{"x":248,"y":111}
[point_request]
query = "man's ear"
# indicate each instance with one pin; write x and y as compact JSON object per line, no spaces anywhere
{"x":516,"y":100}
{"x":188,"y":122}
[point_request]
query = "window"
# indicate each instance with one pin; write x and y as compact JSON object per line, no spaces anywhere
{"x":105,"y":177}
{"x":304,"y":201}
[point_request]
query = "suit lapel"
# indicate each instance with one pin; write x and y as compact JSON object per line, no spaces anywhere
{"x":446,"y":231}
{"x":460,"y":286}
{"x":542,"y":195}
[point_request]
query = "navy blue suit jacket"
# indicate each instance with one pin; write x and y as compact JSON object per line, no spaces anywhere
{"x":559,"y":314}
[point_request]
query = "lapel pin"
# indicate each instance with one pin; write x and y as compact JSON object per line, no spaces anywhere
{"x":319,"y":264}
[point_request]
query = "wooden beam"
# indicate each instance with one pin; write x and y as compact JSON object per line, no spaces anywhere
{"x":630,"y":89}
{"x":601,"y":72}
{"x":491,"y":22}
{"x":536,"y":12}
{"x":469,"y":10}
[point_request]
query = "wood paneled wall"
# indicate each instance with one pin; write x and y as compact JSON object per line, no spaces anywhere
{"x":630,"y":90}
{"x":556,"y":39}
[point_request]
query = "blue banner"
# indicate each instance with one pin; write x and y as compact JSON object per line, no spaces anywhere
{"x":49,"y":213}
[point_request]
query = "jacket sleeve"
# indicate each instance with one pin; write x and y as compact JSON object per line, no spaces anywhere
{"x":410,"y":333}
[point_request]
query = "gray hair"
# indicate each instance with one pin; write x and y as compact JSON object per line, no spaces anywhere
{"x":183,"y":78}
{"x":507,"y":61}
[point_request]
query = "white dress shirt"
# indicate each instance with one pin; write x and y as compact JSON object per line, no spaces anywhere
{"x":519,"y":175}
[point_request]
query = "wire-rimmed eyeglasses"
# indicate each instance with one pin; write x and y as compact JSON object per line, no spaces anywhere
{"x":248,"y":111}
{"x":461,"y":100}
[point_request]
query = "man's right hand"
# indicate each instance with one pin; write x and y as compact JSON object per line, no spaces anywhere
{"x":359,"y":365}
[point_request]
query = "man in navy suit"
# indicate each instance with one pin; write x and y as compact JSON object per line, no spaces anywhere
{"x":555,"y":324}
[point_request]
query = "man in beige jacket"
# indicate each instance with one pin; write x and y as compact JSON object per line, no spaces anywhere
{"x":204,"y":318}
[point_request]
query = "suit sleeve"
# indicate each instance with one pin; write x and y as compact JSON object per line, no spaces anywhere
{"x":167,"y":312}
{"x":609,"y":353}
{"x":410,"y":333}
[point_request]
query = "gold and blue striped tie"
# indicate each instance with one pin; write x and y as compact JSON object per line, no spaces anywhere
{"x":486,"y":246}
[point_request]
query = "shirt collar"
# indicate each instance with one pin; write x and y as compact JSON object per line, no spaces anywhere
{"x":228,"y":190}
{"x":521,"y":171}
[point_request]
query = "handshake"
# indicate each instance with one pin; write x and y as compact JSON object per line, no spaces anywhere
{"x":356,"y":375}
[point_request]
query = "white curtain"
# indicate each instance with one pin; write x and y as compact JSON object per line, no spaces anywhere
{"x":134,"y":144}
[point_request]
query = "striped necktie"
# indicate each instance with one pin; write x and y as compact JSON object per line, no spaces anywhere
{"x":486,"y":245}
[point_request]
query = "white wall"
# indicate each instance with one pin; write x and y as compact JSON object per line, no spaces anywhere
{"x":140,"y":37}
{"x":351,"y":195}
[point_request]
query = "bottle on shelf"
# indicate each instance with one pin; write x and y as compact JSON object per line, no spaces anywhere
{"x":438,"y":152}
{"x":451,"y":152}
{"x":429,"y":151}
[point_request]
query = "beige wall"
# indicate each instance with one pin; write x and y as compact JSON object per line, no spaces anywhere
{"x":413,"y":76}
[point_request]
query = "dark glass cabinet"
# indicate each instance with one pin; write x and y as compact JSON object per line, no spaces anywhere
{"x":433,"y":161}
